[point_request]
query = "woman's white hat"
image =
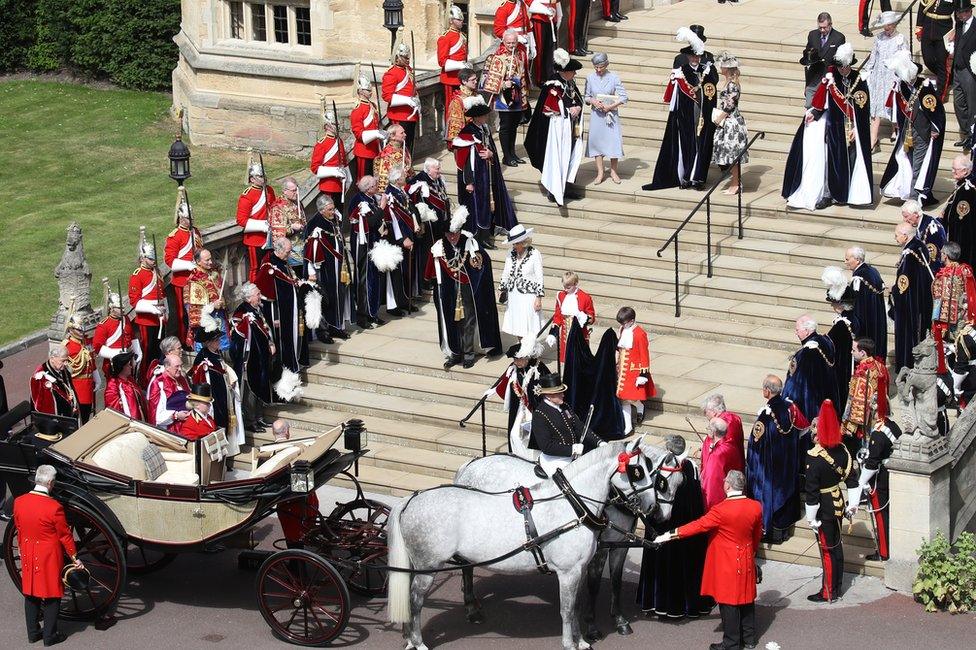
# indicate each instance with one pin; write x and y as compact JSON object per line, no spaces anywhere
{"x":518,"y":233}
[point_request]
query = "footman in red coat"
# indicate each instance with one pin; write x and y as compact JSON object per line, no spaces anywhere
{"x":44,"y":539}
{"x":734,"y":527}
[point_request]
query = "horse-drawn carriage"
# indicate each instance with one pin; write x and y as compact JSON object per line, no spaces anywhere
{"x":135,"y":496}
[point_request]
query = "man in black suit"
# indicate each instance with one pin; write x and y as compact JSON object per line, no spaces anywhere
{"x":933,"y":22}
{"x":963,"y":81}
{"x":824,"y":40}
{"x":557,"y":432}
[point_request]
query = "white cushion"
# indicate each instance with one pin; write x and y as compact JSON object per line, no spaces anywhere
{"x":277,"y":461}
{"x":177,"y":477}
{"x":123,"y":455}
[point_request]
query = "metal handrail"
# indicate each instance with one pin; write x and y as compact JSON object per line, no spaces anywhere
{"x":707,"y":202}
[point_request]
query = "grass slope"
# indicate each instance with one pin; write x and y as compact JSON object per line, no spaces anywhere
{"x":98,"y":157}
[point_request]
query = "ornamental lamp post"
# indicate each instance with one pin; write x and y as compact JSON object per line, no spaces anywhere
{"x":179,"y":161}
{"x":392,"y":18}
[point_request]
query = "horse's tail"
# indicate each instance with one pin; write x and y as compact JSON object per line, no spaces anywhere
{"x":398,"y":593}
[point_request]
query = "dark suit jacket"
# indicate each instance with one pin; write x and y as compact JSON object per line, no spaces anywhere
{"x":965,"y":46}
{"x":818,"y":70}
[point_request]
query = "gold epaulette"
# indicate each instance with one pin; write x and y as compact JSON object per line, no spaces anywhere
{"x":173,"y":232}
{"x":815,"y":450}
{"x":136,"y":272}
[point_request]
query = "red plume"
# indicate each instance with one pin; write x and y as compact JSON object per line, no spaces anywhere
{"x":828,"y":426}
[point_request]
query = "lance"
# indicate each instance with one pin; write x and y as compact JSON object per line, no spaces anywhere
{"x":413,"y":79}
{"x":379,"y":97}
{"x":264,"y":192}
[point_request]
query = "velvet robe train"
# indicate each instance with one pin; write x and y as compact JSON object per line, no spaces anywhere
{"x":592,"y":379}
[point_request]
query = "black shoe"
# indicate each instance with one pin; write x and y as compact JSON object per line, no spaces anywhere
{"x":639,"y":419}
{"x":395,"y":312}
{"x":875,"y":557}
{"x":34,"y":638}
{"x":54,"y":640}
{"x":750,"y":646}
{"x":823,"y":203}
{"x":413,"y":310}
{"x":468,"y":363}
{"x":614,"y":19}
{"x":363,"y":323}
{"x":699,"y":186}
{"x":324,"y":337}
{"x":579,"y":52}
{"x":818,"y":598}
{"x":508,"y":162}
{"x":716,"y":646}
{"x":620,"y":16}
{"x":339,"y":334}
{"x":377,"y":321}
{"x":450,"y":363}
{"x":520,"y":161}
{"x":960,"y":143}
{"x":647,"y":187}
{"x":866,"y":32}
{"x":261,"y":422}
{"x":930,"y":202}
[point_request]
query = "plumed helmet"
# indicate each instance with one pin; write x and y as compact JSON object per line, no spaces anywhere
{"x":838,"y":288}
{"x":902,"y":65}
{"x":146,"y":249}
{"x":255,"y":169}
{"x":401,"y":51}
{"x":828,"y":426}
{"x":458,"y":218}
{"x":182,"y":208}
{"x":362,"y":83}
{"x":74,"y":322}
{"x":456,"y":13}
{"x":114,"y":300}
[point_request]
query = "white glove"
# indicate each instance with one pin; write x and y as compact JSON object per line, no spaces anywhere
{"x":641,"y":381}
{"x":578,"y":449}
{"x":663,"y":537}
{"x":551,"y":341}
{"x":602,"y":443}
{"x":522,"y":39}
{"x":812,"y":516}
{"x":582,"y":318}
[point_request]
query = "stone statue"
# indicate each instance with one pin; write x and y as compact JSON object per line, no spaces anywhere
{"x":919,"y":392}
{"x":74,"y":286}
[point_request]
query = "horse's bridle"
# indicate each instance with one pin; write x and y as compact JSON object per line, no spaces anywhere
{"x":632,"y":501}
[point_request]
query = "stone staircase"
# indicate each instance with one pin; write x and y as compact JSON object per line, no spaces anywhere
{"x":734,"y":328}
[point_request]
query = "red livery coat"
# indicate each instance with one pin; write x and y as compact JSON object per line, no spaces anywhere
{"x":125,"y":396}
{"x":297,"y":517}
{"x":178,"y":254}
{"x":631,"y":364}
{"x":44,"y":539}
{"x":53,"y":392}
{"x":398,"y":80}
{"x":194,"y":427}
{"x":329,"y":164}
{"x":147,"y":296}
{"x":585,"y":305}
{"x":512,"y":14}
{"x":735,"y":435}
{"x":451,"y":46}
{"x":111,"y":336}
{"x":252,"y":208}
{"x":734,"y":527}
{"x":365,"y":118}
{"x":716,"y":461}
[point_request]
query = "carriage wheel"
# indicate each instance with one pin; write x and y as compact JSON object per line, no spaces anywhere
{"x":140,"y":561}
{"x":101,"y":552}
{"x":302,"y":598}
{"x":357,"y":533}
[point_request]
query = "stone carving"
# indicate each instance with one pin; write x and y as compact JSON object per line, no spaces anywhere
{"x":918,"y":391}
{"x":74,"y":285}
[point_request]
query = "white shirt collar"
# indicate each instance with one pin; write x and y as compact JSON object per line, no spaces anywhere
{"x":41,"y":489}
{"x":734,"y":493}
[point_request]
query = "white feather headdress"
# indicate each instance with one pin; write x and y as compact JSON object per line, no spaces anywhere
{"x":844,"y":54}
{"x":685,"y":35}
{"x":473,"y":100}
{"x":386,"y":256}
{"x":530,"y":349}
{"x":836,"y":281}
{"x":313,"y":309}
{"x":458,"y":218}
{"x":207,"y":321}
{"x":560,"y":57}
{"x":902,"y":65}
{"x":289,"y":387}
{"x":426,"y":213}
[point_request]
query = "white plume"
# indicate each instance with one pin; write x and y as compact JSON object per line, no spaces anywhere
{"x":530,"y":348}
{"x":289,"y":387}
{"x":426,"y":213}
{"x":313,"y":309}
{"x":836,"y":281}
{"x":473,"y":100}
{"x":207,"y":321}
{"x":560,"y":57}
{"x":844,"y":54}
{"x":685,"y":35}
{"x":458,"y":218}
{"x":902,"y":65}
{"x":386,"y":256}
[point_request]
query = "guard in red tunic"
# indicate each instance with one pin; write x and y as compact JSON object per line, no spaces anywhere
{"x":121,"y":392}
{"x":198,"y":423}
{"x":829,"y":465}
{"x":81,"y":364}
{"x":400,"y":94}
{"x":166,"y":406}
{"x":365,"y":123}
{"x":514,"y":15}
{"x":181,"y":244}
{"x":51,"y":388}
{"x":114,"y":336}
{"x":452,"y":55}
{"x":148,"y":302}
{"x":252,"y":216}
{"x":867,"y":397}
{"x":44,"y":539}
{"x":579,"y":23}
{"x":634,"y":382}
{"x":329,"y":162}
{"x":954,"y":300}
{"x":734,"y":528}
{"x":572,"y":302}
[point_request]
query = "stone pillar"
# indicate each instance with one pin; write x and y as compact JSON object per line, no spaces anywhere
{"x":919,"y":481}
{"x":74,"y":287}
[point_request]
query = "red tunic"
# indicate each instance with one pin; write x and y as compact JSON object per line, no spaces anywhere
{"x":451,"y":46}
{"x":178,"y":254}
{"x":365,"y":118}
{"x":715,"y":464}
{"x":147,"y":297}
{"x":252,"y":209}
{"x":512,"y":14}
{"x":52,"y":392}
{"x":329,"y":164}
{"x":734,"y":527}
{"x":584,"y":304}
{"x":735,"y":435}
{"x":398,"y":80}
{"x":125,"y":396}
{"x":297,"y":517}
{"x":111,"y":336}
{"x":44,"y":539}
{"x":631,"y":364}
{"x":194,"y":427}
{"x":82,"y":367}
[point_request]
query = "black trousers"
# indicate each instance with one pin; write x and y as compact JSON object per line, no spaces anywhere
{"x":85,"y":411}
{"x":935,"y":57}
{"x":361,"y":167}
{"x":738,"y":625}
{"x":864,"y":12}
{"x":578,"y":22}
{"x":831,"y":557}
{"x":37,"y":608}
{"x":508,"y":122}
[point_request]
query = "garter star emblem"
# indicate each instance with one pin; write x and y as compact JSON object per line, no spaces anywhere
{"x":902,"y":283}
{"x":929,"y":102}
{"x":962,"y":209}
{"x":861,"y":98}
{"x":709,"y":90}
{"x":792,"y":366}
{"x":758,"y":431}
{"x":933,"y":252}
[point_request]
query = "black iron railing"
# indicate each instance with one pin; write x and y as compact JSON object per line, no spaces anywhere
{"x":707,"y":202}
{"x":480,"y":404}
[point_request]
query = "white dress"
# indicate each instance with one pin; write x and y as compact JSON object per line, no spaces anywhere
{"x":522,"y":279}
{"x":880,"y":78}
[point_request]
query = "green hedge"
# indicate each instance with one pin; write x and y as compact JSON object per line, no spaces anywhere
{"x":128,"y":42}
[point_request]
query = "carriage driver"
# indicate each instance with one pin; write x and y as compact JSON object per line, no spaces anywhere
{"x":557,"y":432}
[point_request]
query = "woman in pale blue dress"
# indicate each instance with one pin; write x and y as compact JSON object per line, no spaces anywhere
{"x":605,"y":94}
{"x":880,"y":78}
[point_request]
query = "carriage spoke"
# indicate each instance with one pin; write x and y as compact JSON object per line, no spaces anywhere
{"x":292,"y":586}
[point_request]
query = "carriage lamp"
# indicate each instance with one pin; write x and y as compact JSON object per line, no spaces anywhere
{"x":354,"y":434}
{"x":392,"y":18}
{"x":179,"y":161}
{"x":302,"y":477}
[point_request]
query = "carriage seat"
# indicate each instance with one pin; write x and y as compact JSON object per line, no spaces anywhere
{"x":132,"y":454}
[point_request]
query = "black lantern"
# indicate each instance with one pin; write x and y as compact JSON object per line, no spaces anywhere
{"x":392,"y":18}
{"x":179,"y":161}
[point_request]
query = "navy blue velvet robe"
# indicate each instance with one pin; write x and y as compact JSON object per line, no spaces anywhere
{"x":842,"y":333}
{"x":810,"y":378}
{"x":676,"y":161}
{"x":911,"y":299}
{"x":869,"y":307}
{"x":592,"y":379}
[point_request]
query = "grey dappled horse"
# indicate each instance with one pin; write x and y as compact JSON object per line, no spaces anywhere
{"x":507,"y":471}
{"x":437,"y":525}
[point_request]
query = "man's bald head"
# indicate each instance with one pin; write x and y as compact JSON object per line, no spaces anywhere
{"x":281,"y":429}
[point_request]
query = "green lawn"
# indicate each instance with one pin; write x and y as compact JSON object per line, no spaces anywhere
{"x":98,"y":157}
